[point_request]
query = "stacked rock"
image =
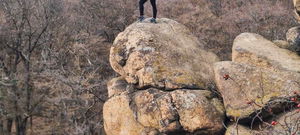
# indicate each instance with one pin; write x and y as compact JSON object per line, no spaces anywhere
{"x":163,"y":85}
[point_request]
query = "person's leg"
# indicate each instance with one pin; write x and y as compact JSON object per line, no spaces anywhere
{"x":141,"y":3}
{"x":153,"y":3}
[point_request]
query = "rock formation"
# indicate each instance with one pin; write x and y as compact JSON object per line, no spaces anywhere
{"x":167,"y":82}
{"x":165,"y":74}
{"x":260,"y":83}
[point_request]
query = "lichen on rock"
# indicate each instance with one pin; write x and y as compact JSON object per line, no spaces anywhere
{"x":164,"y":55}
{"x":253,"y":49}
{"x":251,"y":84}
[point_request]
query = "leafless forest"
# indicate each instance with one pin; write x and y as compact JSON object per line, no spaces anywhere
{"x":54,"y":53}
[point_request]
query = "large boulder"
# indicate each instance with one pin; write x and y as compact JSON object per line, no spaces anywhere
{"x":293,"y":37}
{"x":246,"y":89}
{"x":253,"y":49}
{"x":156,"y":111}
{"x":163,"y":55}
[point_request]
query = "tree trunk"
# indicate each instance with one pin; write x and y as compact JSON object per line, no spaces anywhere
{"x":27,"y":84}
{"x":9,"y":125}
{"x":1,"y":127}
{"x":21,"y":124}
{"x":6,"y":126}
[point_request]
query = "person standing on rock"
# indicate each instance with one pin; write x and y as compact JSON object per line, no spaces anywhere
{"x":153,"y":3}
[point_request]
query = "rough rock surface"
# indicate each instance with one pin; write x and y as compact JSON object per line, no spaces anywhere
{"x":253,"y":49}
{"x":236,"y":129}
{"x":163,"y":55}
{"x":119,"y":118}
{"x":157,"y":111}
{"x":116,"y":86}
{"x":282,"y":44}
{"x":287,"y":124}
{"x":199,"y":111}
{"x":293,"y":37}
{"x":251,"y":84}
{"x":154,"y":108}
{"x":297,"y":9}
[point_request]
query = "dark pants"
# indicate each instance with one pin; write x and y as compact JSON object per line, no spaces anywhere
{"x":153,"y":3}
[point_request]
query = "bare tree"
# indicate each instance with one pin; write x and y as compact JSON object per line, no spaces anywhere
{"x":54,"y":42}
{"x":27,"y":27}
{"x":108,"y":17}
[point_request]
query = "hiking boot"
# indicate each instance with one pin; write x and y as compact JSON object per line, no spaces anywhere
{"x":141,"y":18}
{"x":153,"y":20}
